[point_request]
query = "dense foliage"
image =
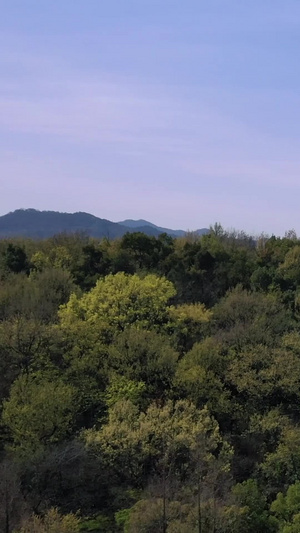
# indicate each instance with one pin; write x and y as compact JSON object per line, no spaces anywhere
{"x":150,"y":384}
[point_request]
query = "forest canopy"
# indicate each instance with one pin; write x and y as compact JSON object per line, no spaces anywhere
{"x":150,"y":384}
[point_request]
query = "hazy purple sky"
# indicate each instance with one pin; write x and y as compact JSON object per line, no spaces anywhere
{"x":181,"y":112}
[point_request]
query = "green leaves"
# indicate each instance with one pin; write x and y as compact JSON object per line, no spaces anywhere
{"x":144,"y":356}
{"x":131,"y":401}
{"x":120,"y":300}
{"x":52,"y":522}
{"x":38,"y":412}
{"x":158,"y":438}
{"x":286,"y":510}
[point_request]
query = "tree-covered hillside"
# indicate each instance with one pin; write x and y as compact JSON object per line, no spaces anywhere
{"x":34,"y":224}
{"x":150,"y":384}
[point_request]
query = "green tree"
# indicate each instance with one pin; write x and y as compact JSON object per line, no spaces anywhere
{"x":190,"y":323}
{"x":142,"y":444}
{"x":121,"y":388}
{"x":142,"y":248}
{"x":52,"y":522}
{"x":281,"y":467}
{"x":119,"y":301}
{"x":144,"y":356}
{"x":46,"y":292}
{"x":84,"y":362}
{"x":286,"y":509}
{"x":25,"y":345}
{"x":267,"y":377}
{"x":249,"y":497}
{"x":37,"y":296}
{"x":14,"y":259}
{"x":93,"y":264}
{"x":242,"y":318}
{"x":38,"y":412}
{"x":200,"y":377}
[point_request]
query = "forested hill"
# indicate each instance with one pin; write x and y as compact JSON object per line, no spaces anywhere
{"x":43,"y":224}
{"x":137,"y":225}
{"x":150,"y":384}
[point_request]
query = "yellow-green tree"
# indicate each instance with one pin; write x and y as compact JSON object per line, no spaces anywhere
{"x":120,"y":300}
{"x":52,"y":522}
{"x":130,"y":438}
{"x":164,"y":446}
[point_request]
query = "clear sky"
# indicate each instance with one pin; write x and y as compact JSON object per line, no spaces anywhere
{"x":182,"y":112}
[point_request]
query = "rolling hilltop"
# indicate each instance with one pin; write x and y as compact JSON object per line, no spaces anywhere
{"x":43,"y":224}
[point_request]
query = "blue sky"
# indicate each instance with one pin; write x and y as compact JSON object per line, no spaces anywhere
{"x":182,"y":113}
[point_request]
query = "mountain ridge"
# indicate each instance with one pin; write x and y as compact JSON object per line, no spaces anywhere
{"x":37,"y":224}
{"x":129,"y":223}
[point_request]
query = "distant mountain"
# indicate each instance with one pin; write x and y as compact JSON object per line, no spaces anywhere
{"x":43,"y":224}
{"x":134,"y":224}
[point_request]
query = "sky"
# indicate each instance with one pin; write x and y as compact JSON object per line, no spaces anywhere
{"x":184,"y":113}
